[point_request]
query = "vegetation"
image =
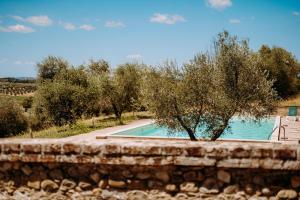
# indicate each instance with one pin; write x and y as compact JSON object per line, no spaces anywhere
{"x":9,"y":88}
{"x":210,"y":90}
{"x":12,"y":118}
{"x":282,"y":67}
{"x":205,"y":92}
{"x":84,"y":126}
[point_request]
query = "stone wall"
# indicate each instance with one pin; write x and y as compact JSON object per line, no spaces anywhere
{"x":148,"y":169}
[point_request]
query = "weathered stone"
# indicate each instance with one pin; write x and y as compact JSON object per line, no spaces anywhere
{"x":34,"y":184}
{"x":142,"y":175}
{"x":136,"y":195}
{"x":295,"y":181}
{"x":188,"y":187}
{"x":249,"y":189}
{"x":181,"y":196}
{"x":127,"y":174}
{"x":103,"y":184}
{"x":26,"y":170}
{"x":190,"y":176}
{"x":84,"y":185}
{"x":209,"y":183}
{"x":95,"y":177}
{"x":56,"y":174}
{"x":231,"y":189}
{"x":67,"y":184}
{"x":171,"y":188}
{"x":154,"y":184}
{"x":287,"y":194}
{"x":6,"y":166}
{"x":163,"y":176}
{"x":49,"y":186}
{"x":266,"y":191}
{"x":116,"y":184}
{"x":224,"y":176}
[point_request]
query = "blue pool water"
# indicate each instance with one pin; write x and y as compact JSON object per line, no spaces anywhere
{"x":239,"y":130}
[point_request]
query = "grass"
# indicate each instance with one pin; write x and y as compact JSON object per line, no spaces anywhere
{"x":85,"y":126}
{"x":19,"y":99}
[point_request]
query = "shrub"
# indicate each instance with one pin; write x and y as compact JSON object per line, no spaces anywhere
{"x":12,"y":118}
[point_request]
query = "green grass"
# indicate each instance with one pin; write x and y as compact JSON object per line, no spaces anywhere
{"x":18,"y":99}
{"x":84,"y":126}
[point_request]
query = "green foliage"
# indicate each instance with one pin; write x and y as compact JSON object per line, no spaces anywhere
{"x":12,"y":118}
{"x":282,"y":67}
{"x":9,"y":88}
{"x":122,"y":88}
{"x":27,"y":103}
{"x":210,"y":89}
{"x":49,"y":67}
{"x":98,"y":67}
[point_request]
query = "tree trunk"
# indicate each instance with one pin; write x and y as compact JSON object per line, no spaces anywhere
{"x":187,"y":129}
{"x":118,"y":113}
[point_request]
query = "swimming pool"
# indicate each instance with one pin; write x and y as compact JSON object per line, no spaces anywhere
{"x":240,"y":129}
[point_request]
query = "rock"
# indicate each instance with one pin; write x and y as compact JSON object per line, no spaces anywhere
{"x":26,"y":170}
{"x":116,"y":184}
{"x":127,"y":174}
{"x":136,"y":195}
{"x":181,"y":196}
{"x":258,"y":180}
{"x":84,"y":185}
{"x":56,"y":174}
{"x":163,"y":176}
{"x":249,"y":189}
{"x":287,"y":194}
{"x":97,"y":191}
{"x":188,"y":187}
{"x":266,"y":192}
{"x":209,"y":183}
{"x":49,"y":185}
{"x":95,"y":177}
{"x":190,"y":176}
{"x":224,"y":176}
{"x":295,"y":181}
{"x":103,"y":184}
{"x":6,"y":166}
{"x":154,"y":184}
{"x":204,"y":190}
{"x":34,"y":184}
{"x":143,"y":175}
{"x":170,"y":188}
{"x":200,"y":176}
{"x":67,"y":184}
{"x":231,"y":189}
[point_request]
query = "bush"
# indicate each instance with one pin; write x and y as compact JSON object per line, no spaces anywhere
{"x":12,"y":118}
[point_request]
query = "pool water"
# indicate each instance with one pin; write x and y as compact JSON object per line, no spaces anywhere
{"x":240,"y":129}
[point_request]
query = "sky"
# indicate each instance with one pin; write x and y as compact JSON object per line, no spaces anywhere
{"x":148,"y":31}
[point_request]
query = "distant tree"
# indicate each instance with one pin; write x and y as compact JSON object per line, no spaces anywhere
{"x":98,"y":67}
{"x":282,"y":67}
{"x":12,"y":118}
{"x":210,"y":90}
{"x":121,"y":88}
{"x":49,"y":67}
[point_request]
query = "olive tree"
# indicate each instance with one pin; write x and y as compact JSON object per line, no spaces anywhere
{"x":209,"y":90}
{"x":121,"y":88}
{"x":49,"y":67}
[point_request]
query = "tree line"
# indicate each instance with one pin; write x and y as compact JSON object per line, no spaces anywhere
{"x":205,"y":92}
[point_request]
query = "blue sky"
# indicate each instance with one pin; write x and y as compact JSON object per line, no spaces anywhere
{"x":148,"y":31}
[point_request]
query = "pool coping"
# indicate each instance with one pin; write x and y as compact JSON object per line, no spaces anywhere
{"x":111,"y":134}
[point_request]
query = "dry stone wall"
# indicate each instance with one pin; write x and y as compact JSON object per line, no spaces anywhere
{"x":148,"y":169}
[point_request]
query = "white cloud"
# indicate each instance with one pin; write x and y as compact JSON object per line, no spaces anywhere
{"x":41,"y":20}
{"x":87,"y":27}
{"x":23,"y":62}
{"x":219,"y":4}
{"x":115,"y":24}
{"x":134,"y":57}
{"x":67,"y":25}
{"x":234,"y":21}
{"x":296,"y":13}
{"x":18,"y":28}
{"x":166,"y":18}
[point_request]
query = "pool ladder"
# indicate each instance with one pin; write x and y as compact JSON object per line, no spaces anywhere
{"x":279,"y":127}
